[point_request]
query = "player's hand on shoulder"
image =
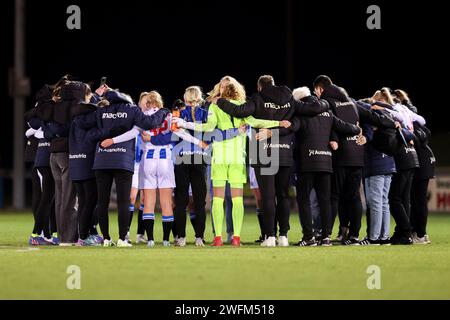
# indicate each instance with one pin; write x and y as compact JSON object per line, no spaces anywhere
{"x":107,"y":143}
{"x":285,"y":124}
{"x":334,"y":145}
{"x":146,"y":136}
{"x":264,"y":134}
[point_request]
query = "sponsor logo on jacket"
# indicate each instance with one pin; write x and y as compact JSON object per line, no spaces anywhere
{"x":193,"y":153}
{"x":77,"y":156}
{"x":325,"y":114}
{"x":112,"y":150}
{"x":118,"y":115}
{"x":276,"y":146}
{"x":270,"y":105}
{"x":410,"y":150}
{"x":319,"y":153}
{"x":433,"y":160}
{"x":43,"y":144}
{"x":343,"y":104}
{"x":355,"y":138}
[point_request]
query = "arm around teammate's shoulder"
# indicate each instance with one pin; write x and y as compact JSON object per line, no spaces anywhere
{"x":239,"y":111}
{"x":310,"y":106}
{"x":345,"y":128}
{"x":296,"y":124}
{"x":374,"y":118}
{"x":148,"y":122}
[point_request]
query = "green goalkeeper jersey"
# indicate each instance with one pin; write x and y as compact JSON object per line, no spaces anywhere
{"x":231,"y":151}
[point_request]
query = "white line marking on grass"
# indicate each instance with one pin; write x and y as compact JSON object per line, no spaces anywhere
{"x":28,"y":249}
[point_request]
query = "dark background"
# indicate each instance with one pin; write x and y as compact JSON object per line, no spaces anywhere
{"x":169,"y":45}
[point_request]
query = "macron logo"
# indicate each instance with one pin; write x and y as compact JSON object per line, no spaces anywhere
{"x":269,"y":105}
{"x":120,"y":115}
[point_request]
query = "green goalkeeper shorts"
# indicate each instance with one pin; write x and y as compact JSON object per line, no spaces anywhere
{"x":233,"y":173}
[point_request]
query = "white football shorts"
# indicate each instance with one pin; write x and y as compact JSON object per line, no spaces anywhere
{"x":156,"y":174}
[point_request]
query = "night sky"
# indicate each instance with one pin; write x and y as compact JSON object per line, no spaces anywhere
{"x":169,"y":45}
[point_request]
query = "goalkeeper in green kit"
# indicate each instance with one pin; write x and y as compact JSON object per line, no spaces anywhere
{"x":228,"y":157}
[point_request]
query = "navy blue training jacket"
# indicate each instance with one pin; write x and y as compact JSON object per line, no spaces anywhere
{"x":42,"y":158}
{"x":121,"y":112}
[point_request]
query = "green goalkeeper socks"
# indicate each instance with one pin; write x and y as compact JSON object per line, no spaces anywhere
{"x":238,"y":215}
{"x":218,"y":213}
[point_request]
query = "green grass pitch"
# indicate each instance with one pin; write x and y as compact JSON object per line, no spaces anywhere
{"x":250,"y":272}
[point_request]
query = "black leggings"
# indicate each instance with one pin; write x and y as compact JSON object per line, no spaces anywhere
{"x":400,"y":202}
{"x":36,"y":193}
{"x":193,"y":174}
{"x":275,"y":199}
{"x":123,"y":180}
{"x":46,"y":201}
{"x":94,"y":223}
{"x":52,"y":220}
{"x":321,"y":182}
{"x":87,"y":201}
{"x":419,"y":206}
{"x":346,"y":198}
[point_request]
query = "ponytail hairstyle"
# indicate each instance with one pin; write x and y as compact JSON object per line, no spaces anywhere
{"x":103,"y":103}
{"x":402,"y":96}
{"x":88,"y":93}
{"x":56,"y":94}
{"x":193,"y":96}
{"x":386,"y":92}
{"x":231,"y":92}
{"x":215,"y":92}
{"x":376,"y":96}
{"x":383,"y":95}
